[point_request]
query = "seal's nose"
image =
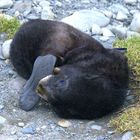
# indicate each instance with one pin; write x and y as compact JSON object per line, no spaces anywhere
{"x":42,"y":87}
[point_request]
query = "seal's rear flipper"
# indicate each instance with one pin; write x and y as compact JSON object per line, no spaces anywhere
{"x":43,"y":66}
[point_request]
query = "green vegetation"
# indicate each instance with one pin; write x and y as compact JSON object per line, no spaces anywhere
{"x":9,"y":26}
{"x":133,"y":54}
{"x":129,"y":119}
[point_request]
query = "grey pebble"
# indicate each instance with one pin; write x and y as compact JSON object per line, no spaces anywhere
{"x":111,"y":132}
{"x":13,"y":132}
{"x":96,"y":127}
{"x":127,"y":136}
{"x":28,"y":130}
{"x":101,"y":138}
{"x":2,"y":120}
{"x":32,"y":17}
{"x":1,"y":107}
{"x":104,"y":38}
{"x":21,"y":124}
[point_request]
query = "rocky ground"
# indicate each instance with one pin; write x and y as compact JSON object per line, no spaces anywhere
{"x":104,"y":20}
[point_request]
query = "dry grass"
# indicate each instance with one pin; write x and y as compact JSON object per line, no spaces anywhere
{"x":129,"y":119}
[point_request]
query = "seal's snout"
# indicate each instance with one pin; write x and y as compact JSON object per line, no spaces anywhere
{"x":42,"y":87}
{"x":45,"y":80}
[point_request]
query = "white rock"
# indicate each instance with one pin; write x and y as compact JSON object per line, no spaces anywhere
{"x":108,"y":13}
{"x":44,"y":127}
{"x":121,"y":16}
{"x":118,"y":7}
{"x":107,"y":32}
{"x":105,"y":1}
{"x":85,"y":1}
{"x":96,"y":127}
{"x":127,"y":136}
{"x":64,"y":123}
{"x":44,"y":4}
{"x":104,"y":38}
{"x":13,"y":132}
{"x":119,"y":31}
{"x":17,"y":13}
{"x":22,"y":6}
{"x":96,"y":29}
{"x":135,"y":24}
{"x":2,"y":120}
{"x":110,"y":132}
{"x":3,"y":37}
{"x":14,"y":110}
{"x":32,"y":17}
{"x":38,"y":129}
{"x":37,"y":9}
{"x":27,"y":12}
{"x":114,"y":16}
{"x":47,"y":14}
{"x":37,"y":1}
{"x":1,"y":106}
{"x":21,"y":124}
{"x":131,"y":34}
{"x":7,"y":61}
{"x":130,"y":1}
{"x":58,"y":3}
{"x":91,"y":123}
{"x":6,"y":3}
{"x":134,"y":11}
{"x":5,"y":49}
{"x":84,"y":19}
{"x":1,"y":54}
{"x":68,"y":1}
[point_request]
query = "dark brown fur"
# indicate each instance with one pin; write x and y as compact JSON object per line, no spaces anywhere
{"x":93,"y":80}
{"x":42,"y":37}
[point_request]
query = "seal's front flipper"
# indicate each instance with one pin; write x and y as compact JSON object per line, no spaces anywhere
{"x":43,"y":66}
